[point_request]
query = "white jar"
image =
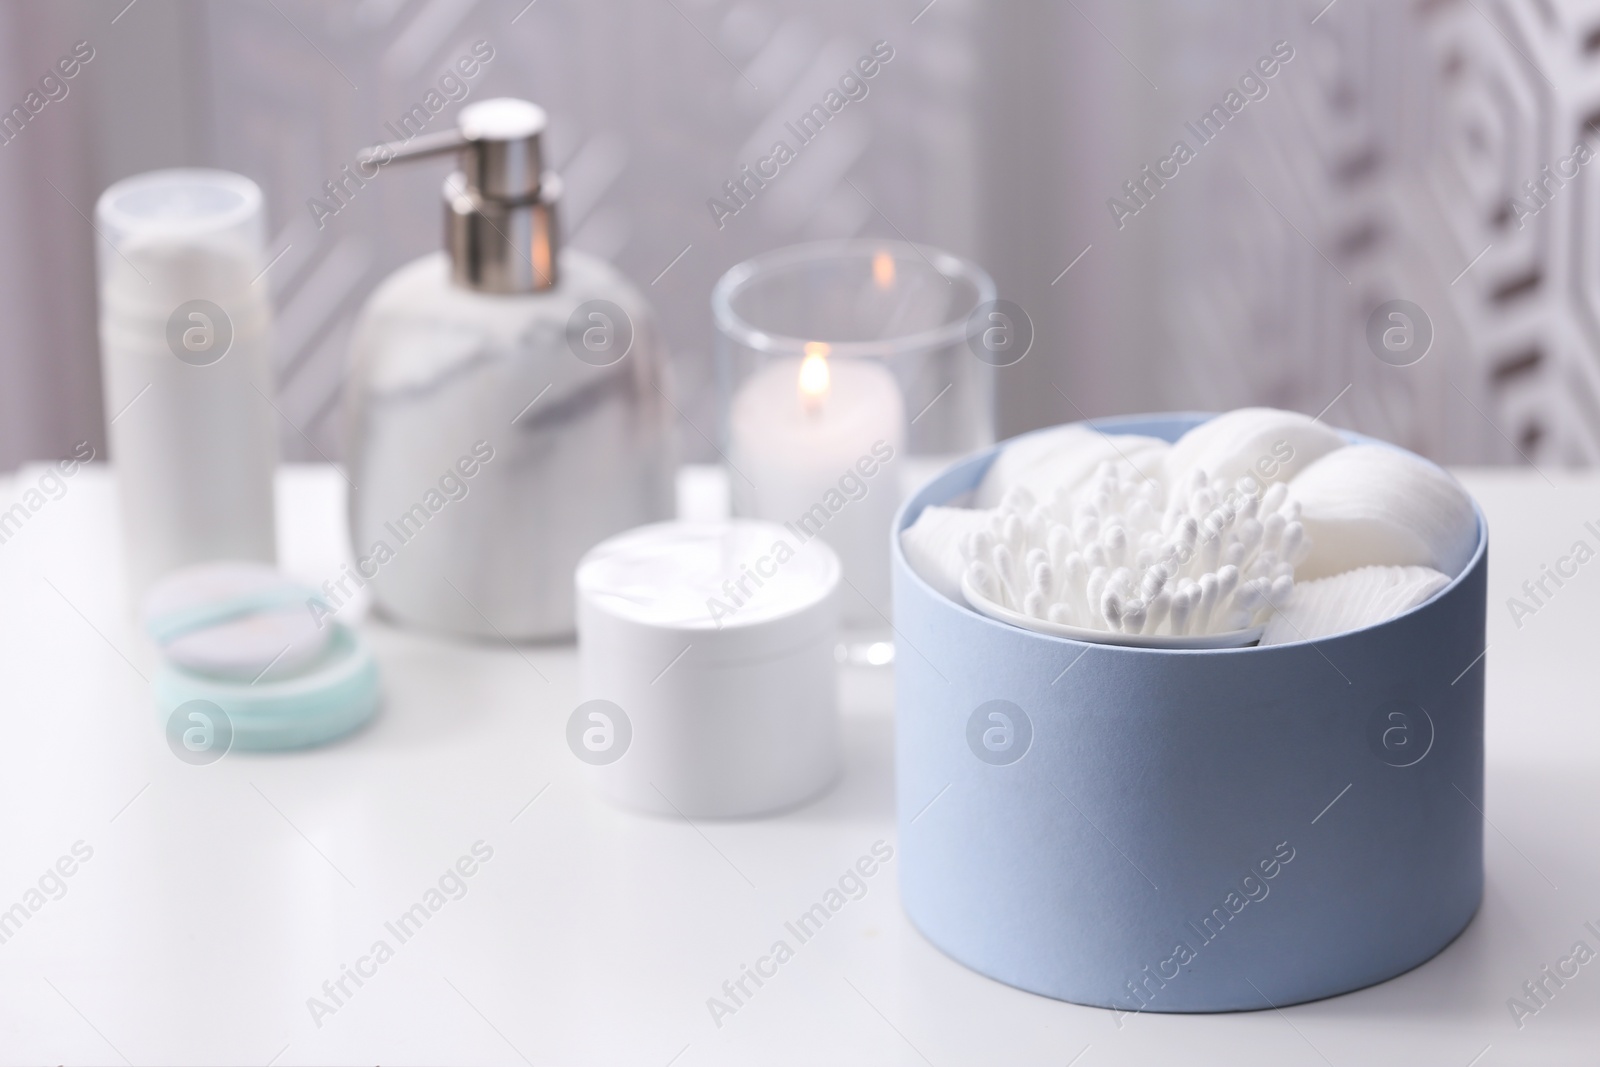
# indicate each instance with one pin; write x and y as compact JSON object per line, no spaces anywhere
{"x":707,"y":662}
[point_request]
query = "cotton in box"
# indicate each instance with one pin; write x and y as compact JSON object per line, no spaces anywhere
{"x":1187,"y":830}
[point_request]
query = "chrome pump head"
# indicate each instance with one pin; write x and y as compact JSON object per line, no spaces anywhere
{"x":500,"y":206}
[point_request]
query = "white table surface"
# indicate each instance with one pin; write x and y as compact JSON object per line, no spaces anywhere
{"x":219,"y":899}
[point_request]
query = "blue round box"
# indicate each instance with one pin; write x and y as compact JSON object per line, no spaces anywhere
{"x":1153,"y":830}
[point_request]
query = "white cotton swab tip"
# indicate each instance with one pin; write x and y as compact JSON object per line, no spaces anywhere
{"x":1122,"y":555}
{"x":985,"y":581}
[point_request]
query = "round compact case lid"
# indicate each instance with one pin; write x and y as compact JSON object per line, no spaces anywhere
{"x":244,"y":638}
{"x":737,"y":590}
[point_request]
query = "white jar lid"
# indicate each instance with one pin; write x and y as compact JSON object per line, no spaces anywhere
{"x":734,"y":591}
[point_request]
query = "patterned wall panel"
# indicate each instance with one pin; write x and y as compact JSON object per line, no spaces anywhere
{"x":654,"y":105}
{"x":1303,"y":226}
{"x":1423,"y":151}
{"x":1401,"y":154}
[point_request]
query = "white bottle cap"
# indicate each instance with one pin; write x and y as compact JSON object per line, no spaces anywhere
{"x":172,"y":236}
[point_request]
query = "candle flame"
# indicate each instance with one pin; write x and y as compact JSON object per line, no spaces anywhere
{"x":883,"y":269}
{"x":814,"y":376}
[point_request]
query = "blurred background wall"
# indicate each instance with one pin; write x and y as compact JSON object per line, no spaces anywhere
{"x":1399,"y":153}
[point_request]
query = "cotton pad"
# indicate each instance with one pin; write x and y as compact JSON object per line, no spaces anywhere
{"x":1350,"y":601}
{"x":234,"y":620}
{"x":1065,"y":458}
{"x":933,"y":545}
{"x":1366,"y":505}
{"x":1261,"y":443}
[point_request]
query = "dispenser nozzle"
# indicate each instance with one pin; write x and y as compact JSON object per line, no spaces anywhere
{"x":500,"y":207}
{"x":419,"y":147}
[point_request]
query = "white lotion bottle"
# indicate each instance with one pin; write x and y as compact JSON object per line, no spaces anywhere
{"x":186,"y":366}
{"x":506,"y":408}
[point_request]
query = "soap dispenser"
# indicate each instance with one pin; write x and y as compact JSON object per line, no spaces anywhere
{"x":505,"y":409}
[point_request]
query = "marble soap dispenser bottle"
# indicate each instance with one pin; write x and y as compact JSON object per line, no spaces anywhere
{"x":505,"y":407}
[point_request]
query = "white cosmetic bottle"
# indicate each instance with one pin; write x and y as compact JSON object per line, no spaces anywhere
{"x":506,"y":405}
{"x":186,"y":364}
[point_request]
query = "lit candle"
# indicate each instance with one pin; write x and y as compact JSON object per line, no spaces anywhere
{"x":815,"y":445}
{"x":883,"y":269}
{"x":815,"y":380}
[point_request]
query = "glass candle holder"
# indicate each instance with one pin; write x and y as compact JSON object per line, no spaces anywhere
{"x":847,"y":375}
